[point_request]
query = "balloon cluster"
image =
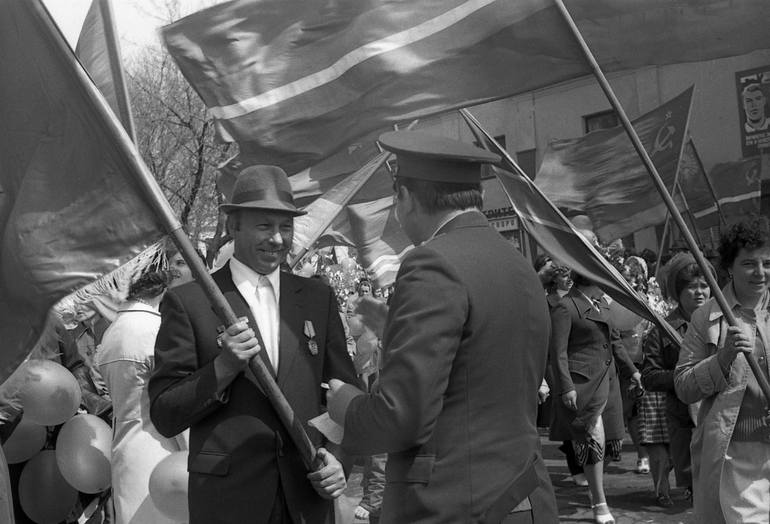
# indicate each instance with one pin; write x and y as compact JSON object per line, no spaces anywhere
{"x":51,"y":478}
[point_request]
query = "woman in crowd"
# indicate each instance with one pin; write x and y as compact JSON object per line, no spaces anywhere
{"x":730,"y":448}
{"x":684,"y":283}
{"x":126,"y":360}
{"x":583,"y":351}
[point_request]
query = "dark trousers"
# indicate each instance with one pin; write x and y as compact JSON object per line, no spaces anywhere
{"x":679,"y":447}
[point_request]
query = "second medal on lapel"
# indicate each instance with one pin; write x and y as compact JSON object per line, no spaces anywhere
{"x":309,"y":330}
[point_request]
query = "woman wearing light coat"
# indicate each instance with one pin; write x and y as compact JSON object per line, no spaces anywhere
{"x":730,"y":449}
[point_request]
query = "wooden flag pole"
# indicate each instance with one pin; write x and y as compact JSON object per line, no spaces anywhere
{"x":663,"y":240}
{"x":699,"y":258}
{"x":690,"y":215}
{"x":167,"y":217}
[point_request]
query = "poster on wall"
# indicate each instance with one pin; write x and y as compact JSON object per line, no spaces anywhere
{"x":753,"y":86}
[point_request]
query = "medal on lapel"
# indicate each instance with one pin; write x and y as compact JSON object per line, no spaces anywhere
{"x":312,"y":345}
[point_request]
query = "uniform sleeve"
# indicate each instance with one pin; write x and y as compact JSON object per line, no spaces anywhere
{"x":655,"y":376}
{"x":698,"y":374}
{"x":181,"y":392}
{"x":561,"y":325}
{"x":421,"y":339}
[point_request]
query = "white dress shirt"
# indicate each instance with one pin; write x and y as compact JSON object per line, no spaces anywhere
{"x":262,"y":294}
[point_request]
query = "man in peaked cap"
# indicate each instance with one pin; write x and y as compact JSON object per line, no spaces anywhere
{"x":464,"y":352}
{"x":243,"y":465}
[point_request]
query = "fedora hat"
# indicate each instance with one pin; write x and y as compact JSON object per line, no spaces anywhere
{"x":262,"y":187}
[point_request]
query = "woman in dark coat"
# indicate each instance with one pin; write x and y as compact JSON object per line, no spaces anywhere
{"x":683,"y":282}
{"x":584,"y":349}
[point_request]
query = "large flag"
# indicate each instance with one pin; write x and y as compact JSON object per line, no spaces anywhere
{"x":99,"y":52}
{"x":601,"y":175}
{"x":293,"y":81}
{"x":737,"y":185}
{"x":542,"y":220}
{"x":372,"y":228}
{"x":323,"y":211}
{"x":69,"y":208}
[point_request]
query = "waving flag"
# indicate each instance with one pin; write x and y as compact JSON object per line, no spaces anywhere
{"x":69,"y":208}
{"x":294,"y":81}
{"x":738,"y":188}
{"x":602,"y":176}
{"x":556,"y":235}
{"x":99,"y":52}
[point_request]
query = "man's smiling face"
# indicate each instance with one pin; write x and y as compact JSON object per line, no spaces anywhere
{"x":262,"y":238}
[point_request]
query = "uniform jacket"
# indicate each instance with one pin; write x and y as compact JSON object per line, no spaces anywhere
{"x":464,"y":354}
{"x":699,"y":377}
{"x":584,"y":351}
{"x":239,"y":450}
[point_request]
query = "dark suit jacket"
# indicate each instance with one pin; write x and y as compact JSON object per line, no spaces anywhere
{"x":464,"y":354}
{"x":584,"y":352}
{"x":239,"y":450}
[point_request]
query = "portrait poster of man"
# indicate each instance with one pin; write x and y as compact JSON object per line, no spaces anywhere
{"x":753,"y":88}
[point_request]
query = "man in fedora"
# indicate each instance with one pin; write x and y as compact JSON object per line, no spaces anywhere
{"x":464,"y":351}
{"x":243,"y":465}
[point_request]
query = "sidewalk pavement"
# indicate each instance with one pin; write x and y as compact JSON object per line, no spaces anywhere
{"x":629,"y":495}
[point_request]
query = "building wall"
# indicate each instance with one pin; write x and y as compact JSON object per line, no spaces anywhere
{"x":532,"y":120}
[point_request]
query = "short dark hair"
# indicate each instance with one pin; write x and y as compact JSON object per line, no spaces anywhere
{"x":684,"y":276}
{"x":442,"y":196}
{"x":750,"y":234}
{"x":150,"y":284}
{"x":580,"y":280}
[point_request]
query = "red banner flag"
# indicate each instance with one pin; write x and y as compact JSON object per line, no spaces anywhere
{"x":294,"y":81}
{"x":557,"y":236}
{"x":69,"y":208}
{"x":602,"y":176}
{"x":738,"y":188}
{"x":99,"y":52}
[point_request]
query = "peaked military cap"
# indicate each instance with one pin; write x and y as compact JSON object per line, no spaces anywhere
{"x":436,"y":158}
{"x":262,"y":187}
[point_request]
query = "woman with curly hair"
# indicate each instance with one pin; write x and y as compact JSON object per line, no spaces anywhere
{"x":730,"y":447}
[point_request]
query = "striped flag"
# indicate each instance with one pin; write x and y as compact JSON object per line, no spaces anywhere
{"x":70,"y":210}
{"x":601,"y":175}
{"x":371,"y":227}
{"x":295,"y":81}
{"x":557,"y":236}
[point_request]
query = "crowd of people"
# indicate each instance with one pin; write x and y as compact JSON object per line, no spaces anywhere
{"x":695,"y":407}
{"x":436,"y":381}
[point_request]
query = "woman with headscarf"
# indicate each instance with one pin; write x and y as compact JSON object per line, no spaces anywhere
{"x":730,"y":447}
{"x":684,"y":283}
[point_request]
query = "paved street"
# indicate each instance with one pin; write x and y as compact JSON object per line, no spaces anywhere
{"x":629,"y":495}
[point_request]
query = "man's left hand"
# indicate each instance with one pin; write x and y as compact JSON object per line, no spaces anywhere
{"x":636,"y":378}
{"x":329,"y":479}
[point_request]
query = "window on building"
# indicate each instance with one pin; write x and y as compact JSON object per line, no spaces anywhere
{"x":526,"y":161}
{"x":602,"y":120}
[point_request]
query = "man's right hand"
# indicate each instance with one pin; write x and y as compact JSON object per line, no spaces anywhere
{"x":239,"y":345}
